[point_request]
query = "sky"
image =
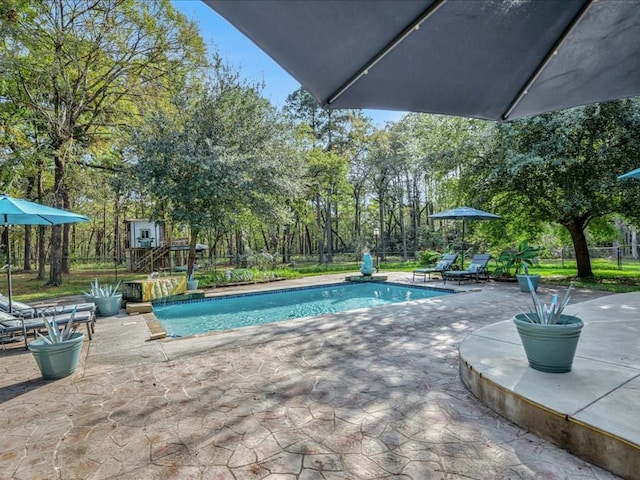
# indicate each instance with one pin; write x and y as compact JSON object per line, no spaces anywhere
{"x":252,"y":62}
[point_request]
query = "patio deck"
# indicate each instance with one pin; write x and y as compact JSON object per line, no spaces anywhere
{"x":369,"y":394}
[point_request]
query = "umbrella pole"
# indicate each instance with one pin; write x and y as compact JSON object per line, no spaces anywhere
{"x":463,"y":249}
{"x":9,"y":289}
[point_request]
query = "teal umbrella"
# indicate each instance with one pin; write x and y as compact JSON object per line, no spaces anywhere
{"x":15,"y":211}
{"x":464,"y":213}
{"x":632,"y":174}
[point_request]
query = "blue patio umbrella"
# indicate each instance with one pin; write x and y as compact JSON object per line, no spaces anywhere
{"x":15,"y":211}
{"x":632,"y":174}
{"x":464,"y":213}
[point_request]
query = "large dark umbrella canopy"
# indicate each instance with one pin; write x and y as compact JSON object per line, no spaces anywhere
{"x":490,"y":59}
{"x":15,"y":211}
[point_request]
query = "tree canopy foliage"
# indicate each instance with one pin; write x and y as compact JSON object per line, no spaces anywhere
{"x":563,"y":167}
{"x":217,"y":153}
{"x":77,"y":71}
{"x":115,"y":109}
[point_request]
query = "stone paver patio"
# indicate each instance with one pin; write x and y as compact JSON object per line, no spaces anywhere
{"x":370,"y":394}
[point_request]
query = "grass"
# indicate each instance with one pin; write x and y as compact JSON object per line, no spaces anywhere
{"x":27,"y":287}
{"x":607,"y":276}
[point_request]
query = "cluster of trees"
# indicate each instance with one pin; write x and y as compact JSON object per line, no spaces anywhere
{"x":114,"y":109}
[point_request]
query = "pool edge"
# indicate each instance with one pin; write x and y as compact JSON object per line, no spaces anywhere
{"x":158,"y":332}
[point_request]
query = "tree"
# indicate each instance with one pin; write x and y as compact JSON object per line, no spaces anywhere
{"x":326,"y":180}
{"x":563,"y":166}
{"x":356,"y":151}
{"x":220,"y":153}
{"x":82,"y":68}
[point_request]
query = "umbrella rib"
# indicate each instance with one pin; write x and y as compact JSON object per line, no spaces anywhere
{"x":413,"y":26}
{"x":524,"y":90}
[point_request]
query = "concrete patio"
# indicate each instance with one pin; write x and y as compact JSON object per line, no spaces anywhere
{"x":368,"y":394}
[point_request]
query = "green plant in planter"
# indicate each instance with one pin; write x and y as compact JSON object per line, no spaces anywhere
{"x":523,"y":259}
{"x":517,"y":258}
{"x":524,"y":256}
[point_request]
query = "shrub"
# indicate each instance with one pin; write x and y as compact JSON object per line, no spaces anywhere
{"x":428,"y":257}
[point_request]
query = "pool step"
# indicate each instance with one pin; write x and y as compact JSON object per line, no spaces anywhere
{"x":366,"y":278}
{"x":144,"y":307}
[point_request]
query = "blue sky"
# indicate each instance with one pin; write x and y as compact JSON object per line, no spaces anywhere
{"x":252,"y":62}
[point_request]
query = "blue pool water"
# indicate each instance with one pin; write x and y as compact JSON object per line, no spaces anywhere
{"x":234,"y":311}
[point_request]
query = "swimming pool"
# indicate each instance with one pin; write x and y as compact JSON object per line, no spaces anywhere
{"x":234,"y":311}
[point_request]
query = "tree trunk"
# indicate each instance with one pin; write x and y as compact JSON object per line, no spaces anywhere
{"x":321,"y":234}
{"x":403,"y":229}
{"x":381,"y":223}
{"x":55,"y":273}
{"x":192,"y":250}
{"x":42,"y":252}
{"x":42,"y":257}
{"x":576,"y":229}
{"x":26,"y":266}
{"x":116,"y":232}
{"x":357,"y":221}
{"x":328,"y":228}
{"x":66,"y":229}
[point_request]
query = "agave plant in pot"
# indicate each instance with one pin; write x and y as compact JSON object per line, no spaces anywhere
{"x":106,"y":297}
{"x":57,"y":354}
{"x":549,"y":336}
{"x":192,"y":282}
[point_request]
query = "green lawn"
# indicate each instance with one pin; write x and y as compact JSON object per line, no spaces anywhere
{"x":26,"y":287}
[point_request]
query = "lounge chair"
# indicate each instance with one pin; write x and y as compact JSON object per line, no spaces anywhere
{"x":476,"y":269}
{"x":12,"y":324}
{"x":37,"y":310}
{"x":443,"y":265}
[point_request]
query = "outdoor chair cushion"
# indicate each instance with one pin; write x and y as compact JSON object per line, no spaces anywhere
{"x":19,"y":306}
{"x":33,"y":311}
{"x":10,"y":323}
{"x":477,"y":268}
{"x":442,"y":266}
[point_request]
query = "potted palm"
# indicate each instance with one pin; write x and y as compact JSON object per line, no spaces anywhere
{"x":57,"y":354}
{"x":106,"y":298}
{"x":549,"y":337}
{"x":523,"y":257}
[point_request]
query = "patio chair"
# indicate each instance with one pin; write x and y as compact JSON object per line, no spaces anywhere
{"x":478,"y":268}
{"x":443,"y":265}
{"x":12,"y":324}
{"x":37,"y":310}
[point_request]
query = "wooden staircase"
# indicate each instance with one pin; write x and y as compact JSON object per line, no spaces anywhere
{"x":153,"y":259}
